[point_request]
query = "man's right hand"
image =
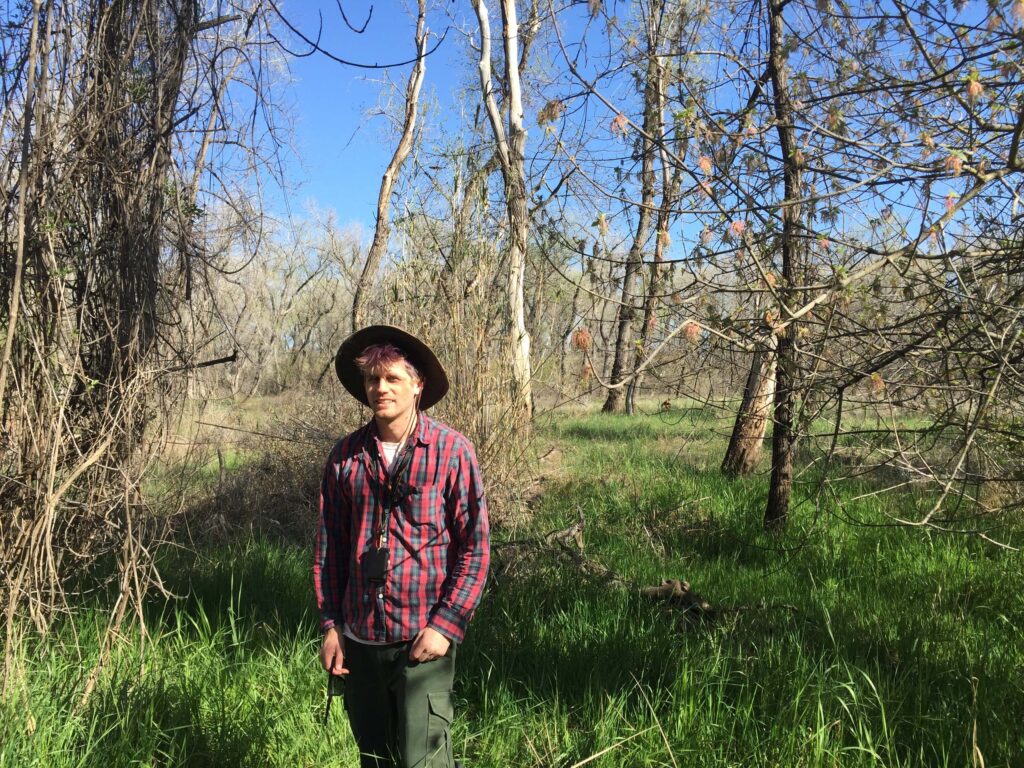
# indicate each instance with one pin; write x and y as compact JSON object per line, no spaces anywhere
{"x":332,"y":652}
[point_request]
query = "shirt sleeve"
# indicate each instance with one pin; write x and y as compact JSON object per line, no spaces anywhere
{"x":331,"y":550}
{"x":467,"y":511}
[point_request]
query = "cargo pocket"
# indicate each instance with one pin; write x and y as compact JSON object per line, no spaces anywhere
{"x":439,"y":735}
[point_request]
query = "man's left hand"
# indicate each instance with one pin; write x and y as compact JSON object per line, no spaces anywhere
{"x":428,"y":645}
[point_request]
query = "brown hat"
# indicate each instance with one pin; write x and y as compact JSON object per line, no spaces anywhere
{"x":435,"y":380}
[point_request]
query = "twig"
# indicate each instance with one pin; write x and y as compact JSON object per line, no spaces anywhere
{"x":258,"y":433}
{"x":206,"y":363}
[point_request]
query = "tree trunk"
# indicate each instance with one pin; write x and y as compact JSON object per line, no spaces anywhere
{"x":627,"y":309}
{"x":23,"y":175}
{"x":518,"y":219}
{"x":387,"y":184}
{"x":511,"y":147}
{"x":567,"y":333}
{"x":518,"y":214}
{"x":752,"y":419}
{"x":783,"y":432}
{"x":671,"y":175}
{"x":92,"y":302}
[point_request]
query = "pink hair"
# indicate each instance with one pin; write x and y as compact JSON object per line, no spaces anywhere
{"x":377,"y":358}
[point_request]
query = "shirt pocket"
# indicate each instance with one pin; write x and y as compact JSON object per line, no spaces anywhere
{"x":425,"y":514}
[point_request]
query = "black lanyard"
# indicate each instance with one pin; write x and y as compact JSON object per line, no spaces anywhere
{"x":396,"y":487}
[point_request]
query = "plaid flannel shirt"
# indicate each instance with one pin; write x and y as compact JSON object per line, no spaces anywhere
{"x":438,"y":537}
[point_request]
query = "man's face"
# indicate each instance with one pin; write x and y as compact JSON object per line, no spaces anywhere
{"x":391,"y":392}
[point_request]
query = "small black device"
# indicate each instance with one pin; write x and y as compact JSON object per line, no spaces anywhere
{"x":335,"y":687}
{"x":375,"y":563}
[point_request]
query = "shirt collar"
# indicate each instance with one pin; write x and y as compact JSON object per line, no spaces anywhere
{"x":426,"y":430}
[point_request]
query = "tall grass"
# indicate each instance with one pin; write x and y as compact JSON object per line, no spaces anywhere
{"x":876,"y":646}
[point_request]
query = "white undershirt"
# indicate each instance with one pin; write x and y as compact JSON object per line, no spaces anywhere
{"x":390,"y":449}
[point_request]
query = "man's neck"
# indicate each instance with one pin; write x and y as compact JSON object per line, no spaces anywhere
{"x":394,"y":431}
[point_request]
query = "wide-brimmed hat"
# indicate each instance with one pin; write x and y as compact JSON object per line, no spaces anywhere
{"x":435,"y":380}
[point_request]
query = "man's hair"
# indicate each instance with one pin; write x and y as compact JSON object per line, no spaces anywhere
{"x":377,"y":358}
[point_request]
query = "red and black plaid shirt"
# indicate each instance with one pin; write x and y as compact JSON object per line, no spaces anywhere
{"x":438,"y":536}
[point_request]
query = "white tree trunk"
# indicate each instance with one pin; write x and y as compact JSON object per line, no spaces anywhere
{"x":511,"y":147}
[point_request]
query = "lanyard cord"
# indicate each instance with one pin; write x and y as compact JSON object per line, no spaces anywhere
{"x":397,"y":478}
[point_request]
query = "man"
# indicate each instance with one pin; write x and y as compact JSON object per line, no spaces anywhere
{"x":401,"y":553}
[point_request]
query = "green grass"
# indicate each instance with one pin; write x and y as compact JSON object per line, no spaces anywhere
{"x":201,"y":471}
{"x":901,"y":647}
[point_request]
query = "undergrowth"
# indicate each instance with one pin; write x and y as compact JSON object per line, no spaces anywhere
{"x":837,"y":644}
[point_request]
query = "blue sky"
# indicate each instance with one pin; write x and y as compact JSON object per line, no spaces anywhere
{"x":343,"y":148}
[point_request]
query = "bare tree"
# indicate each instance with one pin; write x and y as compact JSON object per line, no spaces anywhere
{"x":627,"y":303}
{"x":114,"y":106}
{"x":792,"y":253}
{"x":667,"y":30}
{"x":383,"y":228}
{"x":510,"y":146}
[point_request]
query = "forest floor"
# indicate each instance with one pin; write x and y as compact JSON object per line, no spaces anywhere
{"x":845,"y":642}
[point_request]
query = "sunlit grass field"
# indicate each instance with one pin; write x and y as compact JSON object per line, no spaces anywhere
{"x":850,"y":645}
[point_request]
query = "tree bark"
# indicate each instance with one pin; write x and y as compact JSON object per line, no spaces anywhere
{"x":569,"y":326}
{"x":511,"y":147}
{"x":783,"y":432}
{"x":752,"y":419}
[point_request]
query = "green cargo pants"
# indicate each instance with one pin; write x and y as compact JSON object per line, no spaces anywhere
{"x":400,"y":710}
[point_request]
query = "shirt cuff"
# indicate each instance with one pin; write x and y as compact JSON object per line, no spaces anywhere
{"x":449,"y":623}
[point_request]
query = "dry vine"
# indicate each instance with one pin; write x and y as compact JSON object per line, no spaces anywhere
{"x":109,"y":116}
